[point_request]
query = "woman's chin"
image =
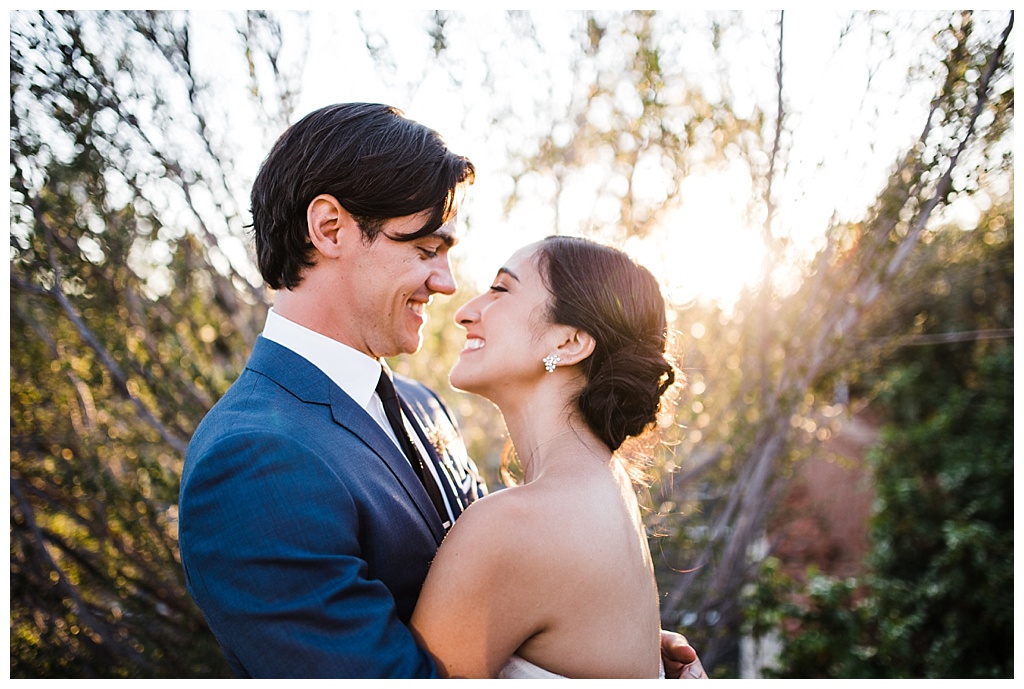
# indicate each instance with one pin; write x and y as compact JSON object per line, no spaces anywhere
{"x":464,"y":379}
{"x":458,"y":380}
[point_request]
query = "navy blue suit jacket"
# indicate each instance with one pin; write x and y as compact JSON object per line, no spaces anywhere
{"x":304,"y":532}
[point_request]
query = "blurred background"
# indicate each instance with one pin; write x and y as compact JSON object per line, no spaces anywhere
{"x":827,"y":199}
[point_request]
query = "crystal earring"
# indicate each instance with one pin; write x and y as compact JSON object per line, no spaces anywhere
{"x":550,"y":361}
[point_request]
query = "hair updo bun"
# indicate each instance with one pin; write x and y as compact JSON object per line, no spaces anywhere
{"x":603,"y":292}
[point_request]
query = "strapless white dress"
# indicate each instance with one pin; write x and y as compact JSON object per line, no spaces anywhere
{"x":520,"y":668}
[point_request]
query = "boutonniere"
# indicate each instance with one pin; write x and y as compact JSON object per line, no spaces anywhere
{"x":440,"y":438}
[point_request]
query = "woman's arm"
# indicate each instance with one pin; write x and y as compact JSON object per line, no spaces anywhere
{"x":471,"y":615}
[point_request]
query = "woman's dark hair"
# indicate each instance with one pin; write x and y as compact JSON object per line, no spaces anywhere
{"x":378,"y":165}
{"x":603,"y":292}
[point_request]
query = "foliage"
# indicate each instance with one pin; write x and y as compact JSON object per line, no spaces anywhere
{"x":634,"y":106}
{"x":791,"y":366}
{"x":938,"y":601}
{"x":127,"y":322}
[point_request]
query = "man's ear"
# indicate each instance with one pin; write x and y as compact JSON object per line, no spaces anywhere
{"x":330,"y":226}
{"x":577,"y":346}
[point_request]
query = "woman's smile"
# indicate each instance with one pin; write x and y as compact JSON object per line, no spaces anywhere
{"x":473,"y":343}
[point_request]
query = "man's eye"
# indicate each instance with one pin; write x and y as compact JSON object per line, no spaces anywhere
{"x":427,"y":253}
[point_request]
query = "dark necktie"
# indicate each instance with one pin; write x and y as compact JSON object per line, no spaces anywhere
{"x":393,"y":410}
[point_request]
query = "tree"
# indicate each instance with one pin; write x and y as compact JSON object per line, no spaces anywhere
{"x":815,"y":331}
{"x":938,"y":598}
{"x":130,"y":315}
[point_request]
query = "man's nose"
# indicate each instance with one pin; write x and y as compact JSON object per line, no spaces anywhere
{"x":442,"y":280}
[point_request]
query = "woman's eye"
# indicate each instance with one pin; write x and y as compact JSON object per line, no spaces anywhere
{"x":498,"y":288}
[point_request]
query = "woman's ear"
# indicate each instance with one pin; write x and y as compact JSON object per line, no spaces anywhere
{"x":577,"y":346}
{"x":330,"y":226}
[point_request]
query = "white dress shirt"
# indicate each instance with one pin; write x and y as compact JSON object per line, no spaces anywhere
{"x":351,"y":370}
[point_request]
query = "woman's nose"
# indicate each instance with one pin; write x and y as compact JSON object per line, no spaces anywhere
{"x":468,"y":313}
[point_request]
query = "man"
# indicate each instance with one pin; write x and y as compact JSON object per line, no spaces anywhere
{"x":313,"y":497}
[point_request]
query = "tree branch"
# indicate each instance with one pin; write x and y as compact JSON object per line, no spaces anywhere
{"x":81,"y":609}
{"x":118,"y":377}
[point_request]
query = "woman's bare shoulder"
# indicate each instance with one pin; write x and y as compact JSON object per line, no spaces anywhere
{"x":519,"y":529}
{"x":504,"y":516}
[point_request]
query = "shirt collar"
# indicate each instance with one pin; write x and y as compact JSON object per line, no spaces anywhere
{"x":351,"y":370}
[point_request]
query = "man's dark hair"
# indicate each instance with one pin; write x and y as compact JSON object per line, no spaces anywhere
{"x":376,"y":162}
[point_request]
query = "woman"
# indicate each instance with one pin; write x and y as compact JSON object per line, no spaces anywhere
{"x":554,"y":577}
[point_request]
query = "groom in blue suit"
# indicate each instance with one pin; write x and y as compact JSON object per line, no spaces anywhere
{"x":316,"y":492}
{"x":306,"y":529}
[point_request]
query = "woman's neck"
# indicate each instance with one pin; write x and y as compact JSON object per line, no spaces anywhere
{"x":549,"y":439}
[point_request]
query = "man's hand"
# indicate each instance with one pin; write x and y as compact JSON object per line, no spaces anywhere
{"x":681,"y":661}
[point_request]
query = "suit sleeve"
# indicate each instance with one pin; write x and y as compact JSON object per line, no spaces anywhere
{"x":269,"y":541}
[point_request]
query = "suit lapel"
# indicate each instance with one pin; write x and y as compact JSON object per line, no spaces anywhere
{"x":350,"y":415}
{"x":311,"y":385}
{"x":447,"y":482}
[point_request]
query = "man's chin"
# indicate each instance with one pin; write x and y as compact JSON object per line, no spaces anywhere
{"x":412,"y":345}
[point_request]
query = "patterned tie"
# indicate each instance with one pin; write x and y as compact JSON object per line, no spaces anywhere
{"x":393,"y":409}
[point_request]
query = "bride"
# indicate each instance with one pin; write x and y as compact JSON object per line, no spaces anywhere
{"x":553,"y":577}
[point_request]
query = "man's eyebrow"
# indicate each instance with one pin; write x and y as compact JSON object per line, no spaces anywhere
{"x":447,"y":238}
{"x":508,"y":272}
